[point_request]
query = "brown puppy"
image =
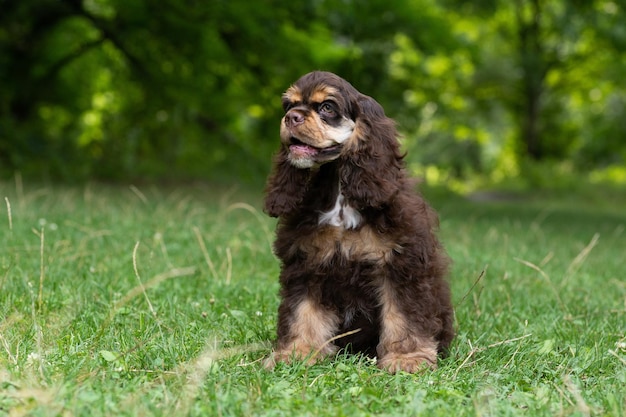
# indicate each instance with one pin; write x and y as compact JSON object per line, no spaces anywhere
{"x":356,"y":241}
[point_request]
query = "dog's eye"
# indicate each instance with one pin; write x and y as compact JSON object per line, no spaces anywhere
{"x":327,"y":109}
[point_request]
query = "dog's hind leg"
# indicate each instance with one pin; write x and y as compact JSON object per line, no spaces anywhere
{"x":403,"y":345}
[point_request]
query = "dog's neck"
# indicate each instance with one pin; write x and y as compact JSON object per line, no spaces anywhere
{"x":341,"y":214}
{"x":325,"y":198}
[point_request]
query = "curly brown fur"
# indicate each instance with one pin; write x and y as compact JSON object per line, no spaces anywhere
{"x":356,"y":242}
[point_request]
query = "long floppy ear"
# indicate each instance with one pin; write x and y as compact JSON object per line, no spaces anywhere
{"x":285,"y":186}
{"x":371,"y":170}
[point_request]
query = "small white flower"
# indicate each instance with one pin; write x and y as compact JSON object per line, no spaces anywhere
{"x":32,"y":359}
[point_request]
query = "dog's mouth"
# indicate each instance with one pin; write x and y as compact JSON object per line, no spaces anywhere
{"x":299,"y":149}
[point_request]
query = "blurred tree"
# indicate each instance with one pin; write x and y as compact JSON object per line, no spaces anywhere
{"x":547,"y":54}
{"x":133,"y":88}
{"x":114,"y":88}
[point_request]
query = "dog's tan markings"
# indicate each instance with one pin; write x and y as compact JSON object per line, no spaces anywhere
{"x":312,"y":131}
{"x":366,"y":244}
{"x":399,"y":348}
{"x":293,"y":94}
{"x":322,"y":93}
{"x":362,"y":244}
{"x":311,"y":328}
{"x":317,"y":133}
{"x":321,"y":247}
{"x":359,"y":135}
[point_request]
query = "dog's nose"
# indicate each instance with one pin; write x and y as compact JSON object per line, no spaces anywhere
{"x":294,"y":118}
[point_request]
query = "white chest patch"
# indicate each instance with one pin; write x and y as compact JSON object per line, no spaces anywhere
{"x":341,"y":215}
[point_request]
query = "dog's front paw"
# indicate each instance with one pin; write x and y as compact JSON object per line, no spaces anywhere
{"x":287,"y":356}
{"x":270,"y":362}
{"x":407,"y":362}
{"x":309,"y":355}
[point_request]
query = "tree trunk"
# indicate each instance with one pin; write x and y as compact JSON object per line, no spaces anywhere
{"x":534,"y":69}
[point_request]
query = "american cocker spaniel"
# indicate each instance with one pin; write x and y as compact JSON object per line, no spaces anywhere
{"x":361,"y":267}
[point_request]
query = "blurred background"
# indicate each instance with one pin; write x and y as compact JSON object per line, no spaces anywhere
{"x":510,"y":93}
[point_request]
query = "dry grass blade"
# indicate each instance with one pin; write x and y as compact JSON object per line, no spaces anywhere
{"x":581,"y":405}
{"x":139,"y":194}
{"x":471,"y":353}
{"x":194,"y":374}
{"x":139,"y":289}
{"x":143,"y":290}
{"x":332,"y":339}
{"x":229,"y":266}
{"x":173,"y":273}
{"x":42,"y":268}
{"x":6,"y":199}
{"x":195,"y":377}
{"x":205,"y":252}
{"x":504,"y":342}
{"x":580,"y":258}
{"x":547,"y":279}
{"x":619,"y":358}
{"x":476,"y":281}
{"x":5,"y":324}
{"x":257,"y":215}
{"x":474,"y":350}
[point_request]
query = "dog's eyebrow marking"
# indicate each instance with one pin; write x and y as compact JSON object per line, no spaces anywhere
{"x":293,"y":94}
{"x":323,"y":93}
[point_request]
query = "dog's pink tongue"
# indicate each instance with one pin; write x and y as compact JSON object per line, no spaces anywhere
{"x":300,"y":151}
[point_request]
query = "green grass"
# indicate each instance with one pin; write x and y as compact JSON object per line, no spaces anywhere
{"x":127,"y":301}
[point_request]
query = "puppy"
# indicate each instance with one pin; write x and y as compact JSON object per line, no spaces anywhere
{"x":361,"y":266}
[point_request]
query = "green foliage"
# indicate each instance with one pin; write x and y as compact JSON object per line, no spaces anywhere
{"x":144,"y":301}
{"x":114,"y":89}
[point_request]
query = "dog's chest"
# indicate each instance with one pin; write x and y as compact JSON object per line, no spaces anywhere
{"x":341,"y":215}
{"x":343,"y":232}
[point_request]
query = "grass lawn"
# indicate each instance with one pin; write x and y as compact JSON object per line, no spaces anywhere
{"x":146,"y":301}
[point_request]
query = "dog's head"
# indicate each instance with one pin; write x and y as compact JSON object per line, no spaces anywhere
{"x":326,"y":119}
{"x":321,"y":112}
